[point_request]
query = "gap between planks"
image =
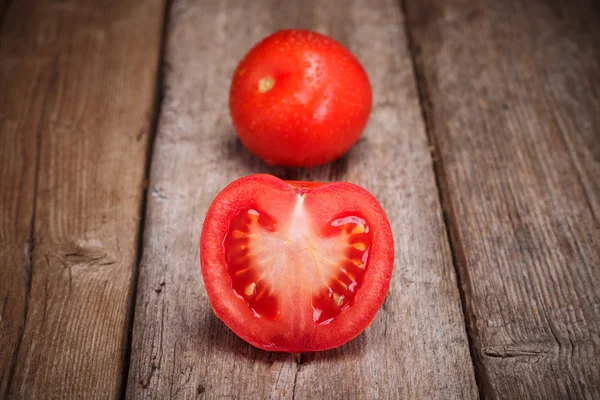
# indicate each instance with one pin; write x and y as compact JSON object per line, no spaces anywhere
{"x":158,"y":100}
{"x":449,"y":217}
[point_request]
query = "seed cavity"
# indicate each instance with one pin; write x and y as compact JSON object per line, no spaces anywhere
{"x":358,"y":229}
{"x":246,"y":276}
{"x":250,"y":289}
{"x":329,"y":263}
{"x":337,"y":298}
{"x":359,"y":246}
{"x":238,"y":234}
{"x":339,"y":295}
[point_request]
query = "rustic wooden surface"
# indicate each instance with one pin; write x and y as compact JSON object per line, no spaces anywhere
{"x":78,"y":82}
{"x":18,"y":164}
{"x":512,"y":99}
{"x":491,"y":106}
{"x":417,"y":345}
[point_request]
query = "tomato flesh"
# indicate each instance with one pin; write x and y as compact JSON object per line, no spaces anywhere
{"x":247,"y":279}
{"x":334,"y":268}
{"x":346,"y":274}
{"x":296,"y":267}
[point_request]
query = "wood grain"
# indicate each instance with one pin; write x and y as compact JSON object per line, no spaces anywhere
{"x":78,"y":83}
{"x":417,"y":346}
{"x":18,"y":165}
{"x":512,"y":99}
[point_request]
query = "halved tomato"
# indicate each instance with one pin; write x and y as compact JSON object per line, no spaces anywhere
{"x":296,"y":266}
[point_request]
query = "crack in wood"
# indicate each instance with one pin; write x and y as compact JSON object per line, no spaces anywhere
{"x":159,"y":288}
{"x":146,"y":381}
{"x":200,"y":389}
{"x":29,"y":268}
{"x":32,"y":238}
{"x":550,"y":326}
{"x":524,"y":351}
{"x":299,"y":361}
{"x":45,"y":311}
{"x":157,"y":192}
{"x":3,"y":311}
{"x":172,"y":370}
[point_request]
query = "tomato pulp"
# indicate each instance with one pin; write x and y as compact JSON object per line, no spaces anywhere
{"x":299,"y":98}
{"x":296,"y":266}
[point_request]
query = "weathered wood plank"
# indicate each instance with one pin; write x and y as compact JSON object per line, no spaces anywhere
{"x":513,"y":107}
{"x":18,"y":164}
{"x":78,"y":83}
{"x":417,"y":345}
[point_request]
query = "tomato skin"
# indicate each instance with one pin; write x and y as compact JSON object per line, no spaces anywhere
{"x":317,"y":107}
{"x":298,"y":333}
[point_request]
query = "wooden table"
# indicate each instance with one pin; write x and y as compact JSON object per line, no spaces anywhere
{"x":483,"y":147}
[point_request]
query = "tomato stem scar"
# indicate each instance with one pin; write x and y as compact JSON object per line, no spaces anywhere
{"x":266,"y":84}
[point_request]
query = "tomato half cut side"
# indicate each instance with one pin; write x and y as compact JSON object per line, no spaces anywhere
{"x":296,"y":266}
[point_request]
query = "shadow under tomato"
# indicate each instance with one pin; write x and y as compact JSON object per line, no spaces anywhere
{"x":234,"y":151}
{"x":223,"y":340}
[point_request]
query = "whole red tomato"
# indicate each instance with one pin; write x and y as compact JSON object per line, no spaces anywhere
{"x":299,"y":98}
{"x":296,"y":266}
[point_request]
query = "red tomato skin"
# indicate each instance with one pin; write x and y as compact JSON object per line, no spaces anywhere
{"x":318,"y":105}
{"x":303,"y":335}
